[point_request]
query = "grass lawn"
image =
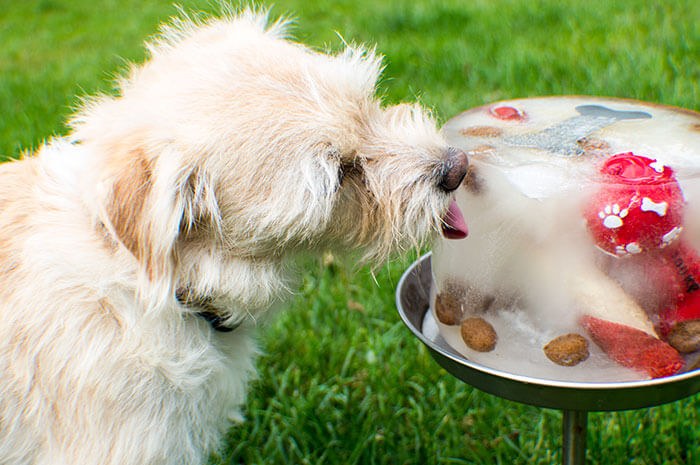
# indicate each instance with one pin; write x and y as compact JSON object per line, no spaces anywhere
{"x":343,"y":381}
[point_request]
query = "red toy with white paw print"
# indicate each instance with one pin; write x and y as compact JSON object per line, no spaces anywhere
{"x":637,"y":215}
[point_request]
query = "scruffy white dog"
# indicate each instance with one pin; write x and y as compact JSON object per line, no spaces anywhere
{"x":138,"y":253}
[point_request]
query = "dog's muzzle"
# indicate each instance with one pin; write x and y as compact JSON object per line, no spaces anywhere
{"x":454,"y":169}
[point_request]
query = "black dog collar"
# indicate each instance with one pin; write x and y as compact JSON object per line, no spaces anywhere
{"x":217,"y":322}
{"x":204,"y":308}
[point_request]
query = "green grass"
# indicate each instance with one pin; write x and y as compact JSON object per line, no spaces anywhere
{"x":343,"y":381}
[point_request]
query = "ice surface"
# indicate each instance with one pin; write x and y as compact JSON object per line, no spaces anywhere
{"x":519,"y":358}
{"x":530,"y":265}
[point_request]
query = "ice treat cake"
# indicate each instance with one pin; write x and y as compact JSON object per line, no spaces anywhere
{"x":581,"y":261}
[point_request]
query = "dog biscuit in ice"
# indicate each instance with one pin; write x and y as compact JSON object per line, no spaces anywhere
{"x":567,"y":350}
{"x":478,"y":334}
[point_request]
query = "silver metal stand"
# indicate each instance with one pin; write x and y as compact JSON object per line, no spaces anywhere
{"x":574,"y":426}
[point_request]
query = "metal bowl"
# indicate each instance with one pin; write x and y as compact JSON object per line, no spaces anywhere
{"x":413,"y":301}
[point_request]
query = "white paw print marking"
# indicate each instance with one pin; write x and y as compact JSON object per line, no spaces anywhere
{"x":671,"y":236}
{"x":632,"y":248}
{"x":612,"y":216}
{"x":657,"y":166}
{"x":649,"y":205}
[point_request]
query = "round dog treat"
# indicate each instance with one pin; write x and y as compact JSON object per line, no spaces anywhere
{"x":448,"y":304}
{"x":685,"y":336}
{"x":567,"y":350}
{"x":482,"y":131}
{"x":478,"y":334}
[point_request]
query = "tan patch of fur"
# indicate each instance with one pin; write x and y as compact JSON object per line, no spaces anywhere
{"x":128,"y":202}
{"x":109,"y":242}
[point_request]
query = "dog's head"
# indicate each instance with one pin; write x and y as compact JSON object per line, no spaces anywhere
{"x":233,"y":141}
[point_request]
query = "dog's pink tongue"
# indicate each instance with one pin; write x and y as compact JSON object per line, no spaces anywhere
{"x":453,"y":224}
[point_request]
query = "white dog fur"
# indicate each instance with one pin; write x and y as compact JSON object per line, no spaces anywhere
{"x":230,"y":152}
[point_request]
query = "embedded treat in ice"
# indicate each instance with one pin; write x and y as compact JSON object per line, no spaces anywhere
{"x":449,"y":302}
{"x":478,"y":334}
{"x":685,"y":336}
{"x":584,"y":218}
{"x":454,"y":298}
{"x":567,"y":350}
{"x":639,"y":207}
{"x":633,"y":348}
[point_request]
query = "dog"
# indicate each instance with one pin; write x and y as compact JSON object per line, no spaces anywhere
{"x":139,"y":252}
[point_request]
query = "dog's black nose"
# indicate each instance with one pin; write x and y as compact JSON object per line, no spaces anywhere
{"x":454,"y":168}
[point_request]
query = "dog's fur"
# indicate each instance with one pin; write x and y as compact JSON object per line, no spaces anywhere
{"x":230,"y":152}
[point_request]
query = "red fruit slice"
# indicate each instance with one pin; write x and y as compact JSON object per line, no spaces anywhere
{"x":633,"y":348}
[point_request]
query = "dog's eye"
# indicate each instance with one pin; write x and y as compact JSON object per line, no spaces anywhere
{"x":346,"y":169}
{"x":342,"y":171}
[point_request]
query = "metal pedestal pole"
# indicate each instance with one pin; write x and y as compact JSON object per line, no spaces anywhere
{"x":574,"y":425}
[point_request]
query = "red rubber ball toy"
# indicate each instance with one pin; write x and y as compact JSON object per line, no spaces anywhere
{"x":638,"y":208}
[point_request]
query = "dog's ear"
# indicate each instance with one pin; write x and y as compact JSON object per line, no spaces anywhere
{"x":126,"y":206}
{"x":153,"y":202}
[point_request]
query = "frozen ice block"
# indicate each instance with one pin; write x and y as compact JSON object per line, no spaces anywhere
{"x":580,"y":210}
